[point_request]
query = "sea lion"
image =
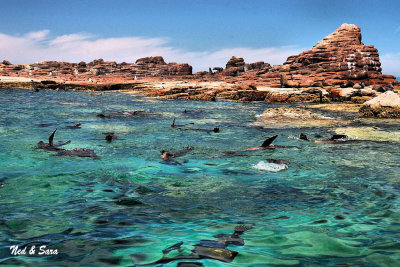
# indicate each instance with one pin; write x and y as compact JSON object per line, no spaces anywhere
{"x":265,"y":145}
{"x":173,"y":125}
{"x":75,"y":126}
{"x":77,"y":152}
{"x":51,"y":146}
{"x":278,"y":161}
{"x":335,"y":139}
{"x":110,"y":136}
{"x":208,"y":249}
{"x":2,"y":181}
{"x":103,"y":116}
{"x":176,"y":246}
{"x":303,"y":137}
{"x":165,"y":155}
{"x":215,"y":130}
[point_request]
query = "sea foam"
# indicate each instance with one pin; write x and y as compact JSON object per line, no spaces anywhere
{"x":271,"y":167}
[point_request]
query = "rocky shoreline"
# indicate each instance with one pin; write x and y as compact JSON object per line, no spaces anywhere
{"x":339,"y":68}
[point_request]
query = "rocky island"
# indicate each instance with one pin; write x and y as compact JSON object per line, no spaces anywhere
{"x":338,"y":68}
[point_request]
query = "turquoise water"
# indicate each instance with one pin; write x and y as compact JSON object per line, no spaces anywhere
{"x":333,"y":205}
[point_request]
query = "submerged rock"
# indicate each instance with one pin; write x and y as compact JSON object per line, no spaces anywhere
{"x":369,"y":134}
{"x":387,"y":105}
{"x":293,"y":116}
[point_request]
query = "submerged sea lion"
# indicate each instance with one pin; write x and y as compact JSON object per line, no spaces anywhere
{"x":215,"y":130}
{"x":335,"y":139}
{"x":75,"y":126}
{"x":176,"y":246}
{"x":165,"y":155}
{"x":2,"y":181}
{"x":124,"y":114}
{"x":209,"y":249}
{"x":51,"y":145}
{"x":179,"y":126}
{"x":103,"y":116}
{"x":77,"y":152}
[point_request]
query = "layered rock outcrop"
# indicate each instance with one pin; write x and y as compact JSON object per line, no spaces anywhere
{"x":144,"y":67}
{"x":339,"y":59}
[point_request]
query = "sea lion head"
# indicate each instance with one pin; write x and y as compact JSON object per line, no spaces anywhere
{"x":109,"y":137}
{"x":166,"y":155}
{"x":216,"y":130}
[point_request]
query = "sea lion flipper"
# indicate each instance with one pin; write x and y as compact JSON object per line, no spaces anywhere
{"x":269,"y":141}
{"x":52,"y":137}
{"x":173,"y":123}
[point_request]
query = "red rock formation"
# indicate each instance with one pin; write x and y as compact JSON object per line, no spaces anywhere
{"x":144,"y":67}
{"x":338,"y":59}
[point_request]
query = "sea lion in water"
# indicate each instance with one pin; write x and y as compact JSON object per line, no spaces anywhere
{"x":110,"y":136}
{"x":173,"y":125}
{"x":265,"y":145}
{"x":165,"y":155}
{"x":103,"y":116}
{"x":51,"y":146}
{"x":303,"y":137}
{"x":209,"y":249}
{"x":77,"y":152}
{"x":278,"y":161}
{"x":335,"y":139}
{"x":215,"y":130}
{"x":2,"y":181}
{"x":75,"y":126}
{"x":176,"y":246}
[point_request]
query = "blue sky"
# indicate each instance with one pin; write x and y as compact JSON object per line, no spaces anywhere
{"x":203,"y":33}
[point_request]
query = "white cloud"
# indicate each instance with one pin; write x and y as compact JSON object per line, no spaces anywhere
{"x":39,"y":46}
{"x":39,"y":35}
{"x":391,"y":64}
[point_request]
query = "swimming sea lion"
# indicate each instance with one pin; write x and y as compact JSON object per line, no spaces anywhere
{"x":173,"y":125}
{"x":110,"y":136}
{"x":75,"y":126}
{"x":303,"y":137}
{"x":176,"y":246}
{"x":278,"y":161}
{"x":77,"y":152}
{"x":2,"y":181}
{"x":335,"y":139}
{"x":51,"y":146}
{"x":215,"y":130}
{"x":209,"y":249}
{"x":174,"y":154}
{"x":103,"y":116}
{"x":265,"y":145}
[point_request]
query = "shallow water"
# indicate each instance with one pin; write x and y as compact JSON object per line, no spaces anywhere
{"x":334,"y":204}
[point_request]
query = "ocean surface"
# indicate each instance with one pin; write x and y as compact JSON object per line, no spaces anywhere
{"x":332,"y":205}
